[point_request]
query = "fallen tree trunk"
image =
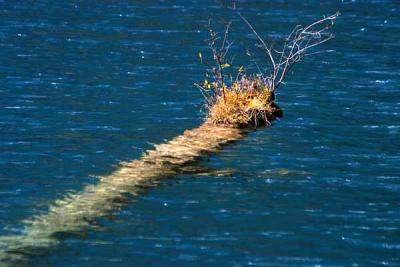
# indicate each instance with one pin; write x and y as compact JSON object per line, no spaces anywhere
{"x":76,"y":213}
{"x":249,"y":101}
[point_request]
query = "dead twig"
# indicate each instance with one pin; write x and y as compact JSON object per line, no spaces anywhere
{"x":295,"y":47}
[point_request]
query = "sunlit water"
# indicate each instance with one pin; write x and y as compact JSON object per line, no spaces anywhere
{"x":87,"y":85}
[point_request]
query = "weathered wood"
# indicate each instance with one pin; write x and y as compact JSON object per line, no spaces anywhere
{"x":75,"y":213}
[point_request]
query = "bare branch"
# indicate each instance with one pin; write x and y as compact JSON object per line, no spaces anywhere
{"x":297,"y":44}
{"x":269,"y":52}
{"x":295,"y":47}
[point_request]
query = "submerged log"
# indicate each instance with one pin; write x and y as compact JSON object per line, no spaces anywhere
{"x":76,"y":213}
{"x":248,"y":102}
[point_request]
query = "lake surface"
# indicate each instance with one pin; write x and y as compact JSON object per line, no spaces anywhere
{"x":86,"y":85}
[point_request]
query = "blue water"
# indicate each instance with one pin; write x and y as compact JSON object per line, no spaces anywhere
{"x":85,"y":85}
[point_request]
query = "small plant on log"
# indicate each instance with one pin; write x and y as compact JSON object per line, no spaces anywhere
{"x":237,"y":98}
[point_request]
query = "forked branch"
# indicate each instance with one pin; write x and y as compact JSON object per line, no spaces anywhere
{"x":249,"y":100}
{"x":295,"y":47}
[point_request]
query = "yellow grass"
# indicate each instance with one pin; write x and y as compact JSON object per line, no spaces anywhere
{"x":243,"y":108}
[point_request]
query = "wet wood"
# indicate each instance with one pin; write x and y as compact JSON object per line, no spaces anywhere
{"x":77,"y":212}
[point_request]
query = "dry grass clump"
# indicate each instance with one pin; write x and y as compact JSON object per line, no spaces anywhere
{"x":247,"y":103}
{"x":249,"y":99}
